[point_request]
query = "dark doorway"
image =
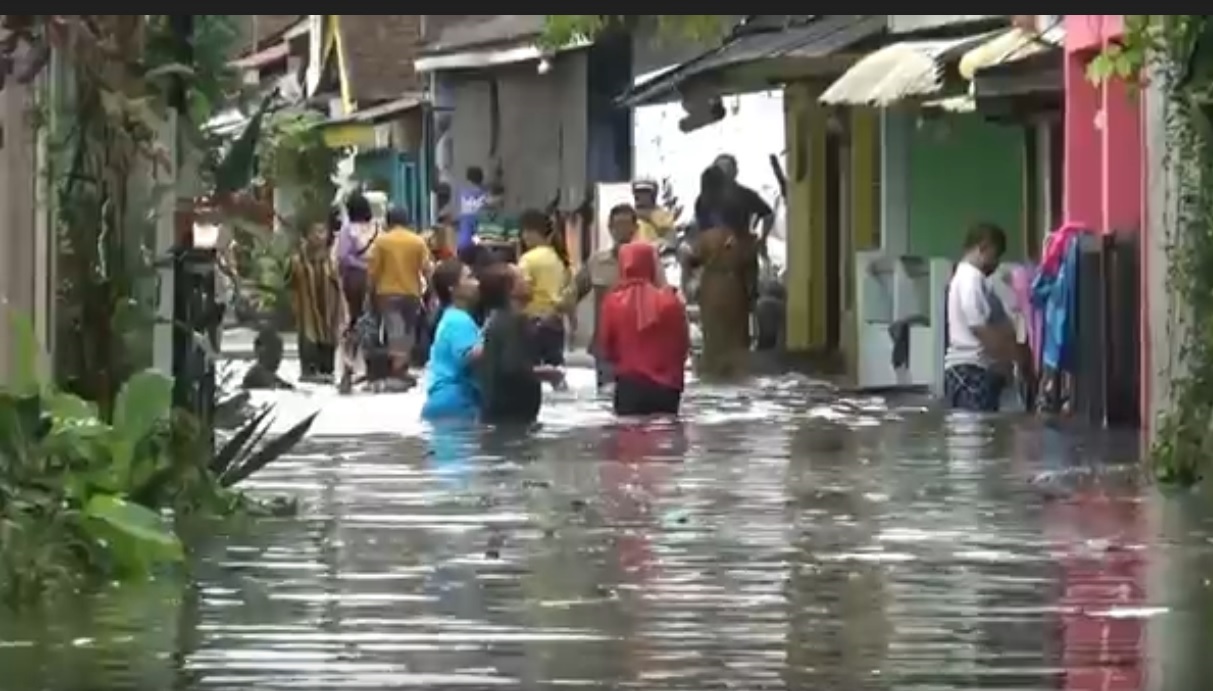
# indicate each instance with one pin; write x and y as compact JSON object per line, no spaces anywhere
{"x":608,"y":74}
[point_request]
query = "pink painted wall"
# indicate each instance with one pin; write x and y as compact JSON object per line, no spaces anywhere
{"x":1092,"y":31}
{"x":1104,"y":152}
{"x":1103,"y":161}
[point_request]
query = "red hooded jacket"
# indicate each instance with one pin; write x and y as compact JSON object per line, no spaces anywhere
{"x":643,"y":331}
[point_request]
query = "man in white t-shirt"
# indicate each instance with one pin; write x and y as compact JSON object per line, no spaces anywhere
{"x":981,"y":338}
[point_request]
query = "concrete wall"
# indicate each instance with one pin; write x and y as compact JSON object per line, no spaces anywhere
{"x":22,"y":251}
{"x":542,"y":134}
{"x":1161,"y":319}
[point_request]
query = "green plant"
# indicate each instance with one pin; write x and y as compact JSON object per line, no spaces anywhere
{"x":82,"y":498}
{"x":295,"y":158}
{"x":246,"y":452}
{"x":68,"y":483}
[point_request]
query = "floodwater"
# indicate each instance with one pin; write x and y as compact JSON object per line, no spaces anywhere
{"x":782,"y":537}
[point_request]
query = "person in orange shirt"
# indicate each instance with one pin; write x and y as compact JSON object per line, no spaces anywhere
{"x":398,"y":268}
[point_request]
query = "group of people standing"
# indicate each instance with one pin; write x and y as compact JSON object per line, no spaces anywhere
{"x":503,"y":327}
{"x":373,"y":298}
{"x":358,"y":287}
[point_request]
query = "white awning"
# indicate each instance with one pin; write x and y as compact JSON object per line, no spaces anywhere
{"x":899,"y":72}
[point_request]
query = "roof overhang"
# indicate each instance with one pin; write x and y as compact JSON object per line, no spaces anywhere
{"x":901,"y":72}
{"x":754,"y":60}
{"x":483,"y":58}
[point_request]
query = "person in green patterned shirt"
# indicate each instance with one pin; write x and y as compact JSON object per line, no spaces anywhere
{"x":496,"y":231}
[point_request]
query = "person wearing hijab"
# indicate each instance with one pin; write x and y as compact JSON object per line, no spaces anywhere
{"x":644,"y":335}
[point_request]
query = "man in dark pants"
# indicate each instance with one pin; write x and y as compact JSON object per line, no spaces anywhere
{"x":399,"y":266}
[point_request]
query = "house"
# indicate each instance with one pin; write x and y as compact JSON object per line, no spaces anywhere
{"x":1105,"y":176}
{"x":368,"y":61}
{"x":357,"y":72}
{"x":887,"y":119}
{"x":832,"y":158}
{"x":540,"y":122}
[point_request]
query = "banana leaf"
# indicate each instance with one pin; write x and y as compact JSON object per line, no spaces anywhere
{"x":269,"y":453}
{"x":138,"y":536}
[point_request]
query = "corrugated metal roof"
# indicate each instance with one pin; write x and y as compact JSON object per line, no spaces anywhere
{"x":764,"y":38}
{"x":901,"y":71}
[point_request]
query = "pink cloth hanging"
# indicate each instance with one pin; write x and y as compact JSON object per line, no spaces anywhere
{"x":1022,"y":277}
{"x":1056,"y":245}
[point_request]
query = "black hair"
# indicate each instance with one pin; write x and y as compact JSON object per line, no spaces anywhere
{"x":334,"y":220}
{"x":268,"y":339}
{"x":624,"y":210}
{"x":397,"y":217}
{"x":442,"y":194}
{"x":713,"y":183}
{"x":447,"y":275}
{"x":534,"y":219}
{"x":358,"y":208}
{"x":986,"y":233}
{"x":496,"y":288}
{"x":475,"y":175}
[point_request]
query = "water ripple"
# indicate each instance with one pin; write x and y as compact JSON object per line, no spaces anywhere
{"x":781,"y":537}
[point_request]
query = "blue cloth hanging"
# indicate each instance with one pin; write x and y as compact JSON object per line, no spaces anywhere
{"x":1055,"y":295}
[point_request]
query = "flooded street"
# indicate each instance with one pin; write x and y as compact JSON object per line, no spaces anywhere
{"x":780,"y":538}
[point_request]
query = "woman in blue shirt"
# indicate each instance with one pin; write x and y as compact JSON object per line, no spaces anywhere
{"x":451,"y":392}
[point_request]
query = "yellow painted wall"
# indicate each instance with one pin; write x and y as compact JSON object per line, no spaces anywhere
{"x":805,"y":124}
{"x":865,"y":179}
{"x":863,"y":193}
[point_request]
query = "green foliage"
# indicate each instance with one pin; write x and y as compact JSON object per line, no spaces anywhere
{"x":294,"y":156}
{"x":1180,"y":48}
{"x":244,"y":454}
{"x":83,"y":500}
{"x":564,"y":29}
{"x":66,"y":485}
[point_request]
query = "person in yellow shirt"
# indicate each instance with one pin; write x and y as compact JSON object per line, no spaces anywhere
{"x":398,"y":268}
{"x":653,"y":222}
{"x":547,"y":275}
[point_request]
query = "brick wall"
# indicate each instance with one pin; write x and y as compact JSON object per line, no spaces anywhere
{"x":381,"y":49}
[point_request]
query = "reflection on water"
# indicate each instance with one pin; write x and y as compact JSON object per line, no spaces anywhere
{"x":779,"y":538}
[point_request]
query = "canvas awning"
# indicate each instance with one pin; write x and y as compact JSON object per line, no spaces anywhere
{"x":777,"y":48}
{"x":909,"y":70}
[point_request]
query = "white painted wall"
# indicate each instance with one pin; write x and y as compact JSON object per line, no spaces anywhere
{"x":752,"y":131}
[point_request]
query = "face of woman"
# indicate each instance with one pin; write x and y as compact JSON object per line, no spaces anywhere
{"x":468,"y":290}
{"x":318,"y":236}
